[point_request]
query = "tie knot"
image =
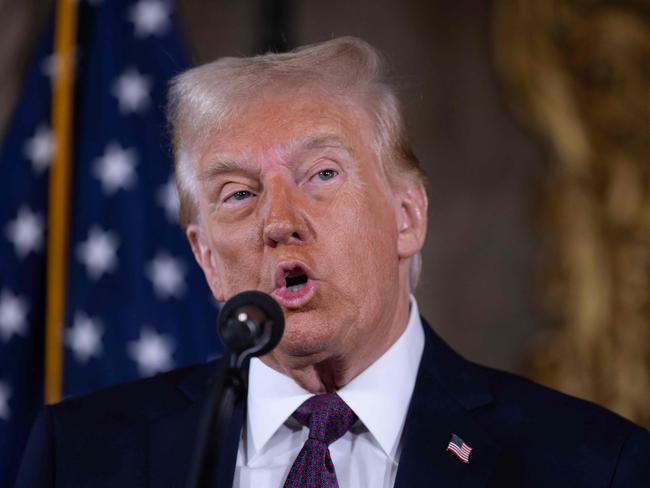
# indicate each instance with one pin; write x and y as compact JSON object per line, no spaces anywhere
{"x":327,"y":416}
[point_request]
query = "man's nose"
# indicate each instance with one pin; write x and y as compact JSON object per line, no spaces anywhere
{"x":284,"y":214}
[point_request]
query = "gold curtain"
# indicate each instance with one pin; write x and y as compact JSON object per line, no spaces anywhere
{"x":577,"y":72}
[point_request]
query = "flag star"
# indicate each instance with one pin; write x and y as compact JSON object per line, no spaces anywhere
{"x":99,"y":252}
{"x":5,"y":394}
{"x":132,"y":91}
{"x":84,"y":337}
{"x":13,"y":315}
{"x":116,"y":168}
{"x":26,"y":232}
{"x":50,"y":65}
{"x":39,"y":149}
{"x":150,"y":17}
{"x":167,"y":198}
{"x":152,"y":352}
{"x":166,"y":274}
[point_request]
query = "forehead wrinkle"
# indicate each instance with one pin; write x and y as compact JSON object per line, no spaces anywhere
{"x":221,"y":166}
{"x":288,"y":153}
{"x":323,"y":140}
{"x":284,"y":154}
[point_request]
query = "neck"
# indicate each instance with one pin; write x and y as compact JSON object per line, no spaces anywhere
{"x":329,"y":372}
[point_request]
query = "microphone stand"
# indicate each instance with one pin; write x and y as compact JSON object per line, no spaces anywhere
{"x":228,"y":391}
{"x":250,"y":324}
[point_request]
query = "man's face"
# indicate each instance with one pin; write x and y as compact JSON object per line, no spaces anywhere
{"x":292,"y":202}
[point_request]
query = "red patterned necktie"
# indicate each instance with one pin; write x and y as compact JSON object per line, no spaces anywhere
{"x":328,"y":418}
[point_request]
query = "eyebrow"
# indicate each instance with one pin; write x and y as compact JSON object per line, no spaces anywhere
{"x":219,"y":167}
{"x":318,"y":141}
{"x":311,"y":142}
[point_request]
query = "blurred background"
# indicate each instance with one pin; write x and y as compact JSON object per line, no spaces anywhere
{"x":532,"y":120}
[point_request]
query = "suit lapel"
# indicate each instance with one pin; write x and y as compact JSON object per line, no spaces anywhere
{"x":445,"y":399}
{"x":172,"y":437}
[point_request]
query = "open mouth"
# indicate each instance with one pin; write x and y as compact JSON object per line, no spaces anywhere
{"x":295,"y":279}
{"x":295,"y":284}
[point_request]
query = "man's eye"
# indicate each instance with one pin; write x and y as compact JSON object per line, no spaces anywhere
{"x":326,"y":174}
{"x":240,"y":195}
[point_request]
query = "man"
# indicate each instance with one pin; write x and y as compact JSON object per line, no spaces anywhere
{"x":296,"y":179}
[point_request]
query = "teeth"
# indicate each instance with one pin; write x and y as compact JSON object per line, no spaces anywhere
{"x":296,"y":287}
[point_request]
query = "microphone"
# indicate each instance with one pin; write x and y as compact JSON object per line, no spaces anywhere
{"x":250,"y":324}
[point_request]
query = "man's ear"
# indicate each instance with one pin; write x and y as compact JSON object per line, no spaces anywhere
{"x":205,"y":258}
{"x":412,"y":219}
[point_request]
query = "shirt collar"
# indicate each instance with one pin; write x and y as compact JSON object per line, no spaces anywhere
{"x":388,"y":382}
{"x":272,"y":398}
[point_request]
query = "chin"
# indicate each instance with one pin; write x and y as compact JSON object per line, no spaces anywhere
{"x":305,"y":339}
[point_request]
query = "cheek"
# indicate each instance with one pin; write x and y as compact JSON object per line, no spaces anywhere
{"x":367,"y":234}
{"x":235,"y":258}
{"x":377,"y":223}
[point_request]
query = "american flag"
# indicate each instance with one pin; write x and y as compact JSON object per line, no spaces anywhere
{"x":459,"y":448}
{"x":137,"y":304}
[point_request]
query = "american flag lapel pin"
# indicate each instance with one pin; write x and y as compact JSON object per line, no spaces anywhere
{"x":459,"y":448}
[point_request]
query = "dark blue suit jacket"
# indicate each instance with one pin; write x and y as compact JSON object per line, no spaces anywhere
{"x":142,"y":434}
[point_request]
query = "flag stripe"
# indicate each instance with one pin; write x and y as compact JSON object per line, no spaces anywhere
{"x":459,"y":448}
{"x":459,"y":454}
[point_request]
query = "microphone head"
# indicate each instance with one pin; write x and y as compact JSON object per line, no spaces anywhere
{"x":251,"y":322}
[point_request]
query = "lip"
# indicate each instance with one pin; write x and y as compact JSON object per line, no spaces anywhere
{"x":286,"y":297}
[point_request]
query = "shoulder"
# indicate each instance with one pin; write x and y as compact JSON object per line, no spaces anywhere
{"x":516,"y":404}
{"x":543,"y":427}
{"x":524,"y":404}
{"x":542,"y":434}
{"x":140,"y":399}
{"x":101,"y":439}
{"x":539,"y":426}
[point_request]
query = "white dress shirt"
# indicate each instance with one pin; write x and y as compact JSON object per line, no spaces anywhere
{"x":367,"y":455}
